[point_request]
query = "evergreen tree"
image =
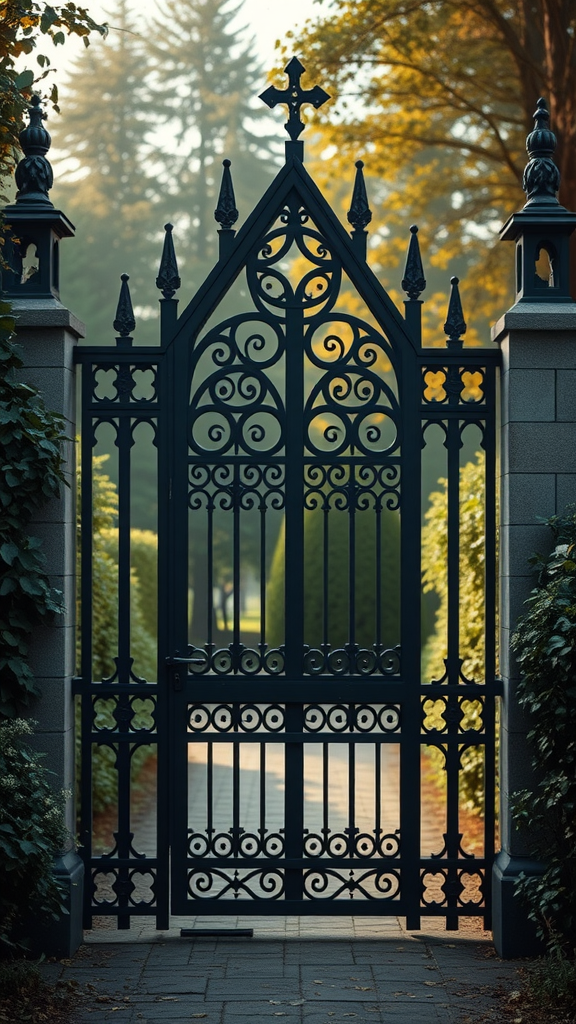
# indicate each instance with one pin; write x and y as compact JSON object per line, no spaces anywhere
{"x":104,"y":187}
{"x":204,"y":84}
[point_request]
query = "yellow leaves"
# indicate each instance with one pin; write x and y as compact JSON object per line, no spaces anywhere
{"x":434,"y":103}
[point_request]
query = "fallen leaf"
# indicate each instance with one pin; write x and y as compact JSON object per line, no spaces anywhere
{"x":167,"y":999}
{"x":198,"y":1014}
{"x":279,"y":1013}
{"x":297,"y":1002}
{"x":431,"y":983}
{"x":363,"y":988}
{"x":316,"y":982}
{"x":275,"y":1002}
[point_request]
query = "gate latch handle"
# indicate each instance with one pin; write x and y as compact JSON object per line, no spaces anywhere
{"x":185,"y":661}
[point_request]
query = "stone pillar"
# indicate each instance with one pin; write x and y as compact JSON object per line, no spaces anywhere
{"x":47,"y":333}
{"x":537,"y":337}
{"x":538,"y":478}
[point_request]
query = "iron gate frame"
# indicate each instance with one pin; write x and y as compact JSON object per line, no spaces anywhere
{"x":166,"y":410}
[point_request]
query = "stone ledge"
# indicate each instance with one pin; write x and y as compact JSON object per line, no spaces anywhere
{"x":46,"y":313}
{"x":536,"y":316}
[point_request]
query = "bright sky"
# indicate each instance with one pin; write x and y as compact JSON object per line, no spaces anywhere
{"x":266,"y":20}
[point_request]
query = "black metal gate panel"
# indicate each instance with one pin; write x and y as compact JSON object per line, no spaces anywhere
{"x":291,"y":404}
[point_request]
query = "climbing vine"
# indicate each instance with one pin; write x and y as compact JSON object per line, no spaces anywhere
{"x":30,"y":474}
{"x":545,"y":648}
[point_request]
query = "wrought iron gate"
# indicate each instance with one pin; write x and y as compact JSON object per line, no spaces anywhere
{"x":293,"y":699}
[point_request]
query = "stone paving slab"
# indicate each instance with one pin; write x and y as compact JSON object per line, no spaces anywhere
{"x":354,"y":977}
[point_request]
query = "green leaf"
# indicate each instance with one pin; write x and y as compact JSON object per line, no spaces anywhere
{"x":24,"y":80}
{"x":8,"y":552}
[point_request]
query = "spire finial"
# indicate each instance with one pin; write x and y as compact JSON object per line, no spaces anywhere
{"x":294,"y":97}
{"x":168,"y":280}
{"x":34,"y":176}
{"x":359,"y":214}
{"x":413,"y":281}
{"x":541,"y":179}
{"x":124,"y":324}
{"x":455,"y":325}
{"x":226,"y":213}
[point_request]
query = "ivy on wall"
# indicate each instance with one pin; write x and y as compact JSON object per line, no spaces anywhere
{"x":30,"y":474}
{"x":545,"y":648}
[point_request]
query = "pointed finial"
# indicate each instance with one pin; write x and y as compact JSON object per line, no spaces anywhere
{"x":124,"y":323}
{"x":168,"y":280}
{"x":34,"y":176}
{"x":359,"y":214}
{"x":294,"y":97}
{"x":455,"y":325}
{"x":541,"y":179}
{"x":226,"y":213}
{"x":413,"y":281}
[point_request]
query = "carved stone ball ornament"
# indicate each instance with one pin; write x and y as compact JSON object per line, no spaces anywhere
{"x":541,"y":176}
{"x":34,"y":176}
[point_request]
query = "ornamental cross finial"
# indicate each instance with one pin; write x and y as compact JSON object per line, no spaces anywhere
{"x":294,"y":97}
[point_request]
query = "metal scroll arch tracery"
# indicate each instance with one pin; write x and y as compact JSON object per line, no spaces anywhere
{"x":351,"y":415}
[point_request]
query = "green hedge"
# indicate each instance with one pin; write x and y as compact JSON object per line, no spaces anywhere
{"x":338,"y":580}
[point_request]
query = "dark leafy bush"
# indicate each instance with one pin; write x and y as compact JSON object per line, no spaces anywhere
{"x":545,"y":648}
{"x":30,"y":474}
{"x":32,"y":832}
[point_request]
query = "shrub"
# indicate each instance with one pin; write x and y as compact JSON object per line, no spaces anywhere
{"x":434,"y":576}
{"x":32,"y":832}
{"x":338,"y":580}
{"x":545,"y":648}
{"x":143,"y":553}
{"x":30,"y":474}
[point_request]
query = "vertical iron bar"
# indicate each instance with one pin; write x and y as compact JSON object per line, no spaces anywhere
{"x":378,"y":513}
{"x":210,"y":793}
{"x":490,"y":634}
{"x":351,"y":798}
{"x":210,"y":574}
{"x":262,"y":795}
{"x":453,"y":664}
{"x":263,"y":571}
{"x":325,"y":791}
{"x":124,"y":443}
{"x":86,"y":572}
{"x":410,"y":614}
{"x":180,"y":366}
{"x":236,"y":799}
{"x":164,"y":563}
{"x":325,"y":578}
{"x":236,"y":556}
{"x":294,"y":594}
{"x":377,"y":790}
{"x":352,"y":560}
